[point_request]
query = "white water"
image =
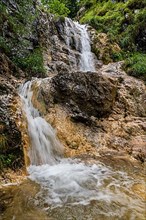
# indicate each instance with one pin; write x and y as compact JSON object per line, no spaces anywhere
{"x":67,"y":181}
{"x":77,"y":35}
{"x":45,"y":147}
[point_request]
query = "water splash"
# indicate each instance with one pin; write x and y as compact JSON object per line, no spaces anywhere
{"x":77,"y":38}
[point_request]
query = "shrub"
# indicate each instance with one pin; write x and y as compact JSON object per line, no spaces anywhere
{"x":56,"y":7}
{"x":32,"y":63}
{"x":135,"y":65}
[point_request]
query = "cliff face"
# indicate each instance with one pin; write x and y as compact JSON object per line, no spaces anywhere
{"x":11,"y":149}
{"x":94,"y":113}
{"x":19,"y":38}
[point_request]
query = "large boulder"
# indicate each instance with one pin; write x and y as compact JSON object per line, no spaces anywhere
{"x":86,"y":93}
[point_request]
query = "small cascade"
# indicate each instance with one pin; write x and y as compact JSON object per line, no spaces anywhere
{"x":77,"y":38}
{"x":45,"y":147}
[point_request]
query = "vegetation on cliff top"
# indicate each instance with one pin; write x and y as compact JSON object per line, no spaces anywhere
{"x":124,"y":23}
{"x":61,"y":7}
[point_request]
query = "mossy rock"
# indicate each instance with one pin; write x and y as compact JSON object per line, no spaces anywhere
{"x":104,"y":49}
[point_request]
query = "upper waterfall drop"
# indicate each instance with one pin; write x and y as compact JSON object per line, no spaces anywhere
{"x":77,"y":35}
{"x":45,"y":147}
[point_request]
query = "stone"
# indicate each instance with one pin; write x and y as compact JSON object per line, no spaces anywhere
{"x":88,"y":94}
{"x":102,"y":46}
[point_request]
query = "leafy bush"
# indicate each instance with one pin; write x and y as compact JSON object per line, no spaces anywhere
{"x":56,"y":7}
{"x":123,"y":21}
{"x":135,"y":65}
{"x":32,"y":63}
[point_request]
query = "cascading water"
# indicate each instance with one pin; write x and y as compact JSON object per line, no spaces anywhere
{"x":44,"y":145}
{"x":76,"y":37}
{"x":67,"y":181}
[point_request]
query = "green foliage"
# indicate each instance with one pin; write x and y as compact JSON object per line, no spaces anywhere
{"x":123,"y":21}
{"x":61,"y":7}
{"x":56,"y":7}
{"x":6,"y":160}
{"x":32,"y":63}
{"x":135,"y":65}
{"x":10,"y":160}
{"x":4,"y":45}
{"x":87,"y":3}
{"x":73,"y":7}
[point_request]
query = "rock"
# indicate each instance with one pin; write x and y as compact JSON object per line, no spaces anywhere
{"x":8,"y":68}
{"x":102,"y":47}
{"x":88,"y":94}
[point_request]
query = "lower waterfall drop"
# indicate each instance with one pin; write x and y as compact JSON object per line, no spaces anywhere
{"x":66,"y":181}
{"x":45,"y":147}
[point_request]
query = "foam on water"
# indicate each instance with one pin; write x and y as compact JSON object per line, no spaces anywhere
{"x":71,"y":182}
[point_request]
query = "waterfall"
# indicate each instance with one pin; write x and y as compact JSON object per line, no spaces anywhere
{"x":77,"y":38}
{"x":45,"y":147}
{"x":65,"y":180}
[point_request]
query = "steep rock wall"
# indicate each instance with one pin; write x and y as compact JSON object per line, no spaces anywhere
{"x":11,"y":149}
